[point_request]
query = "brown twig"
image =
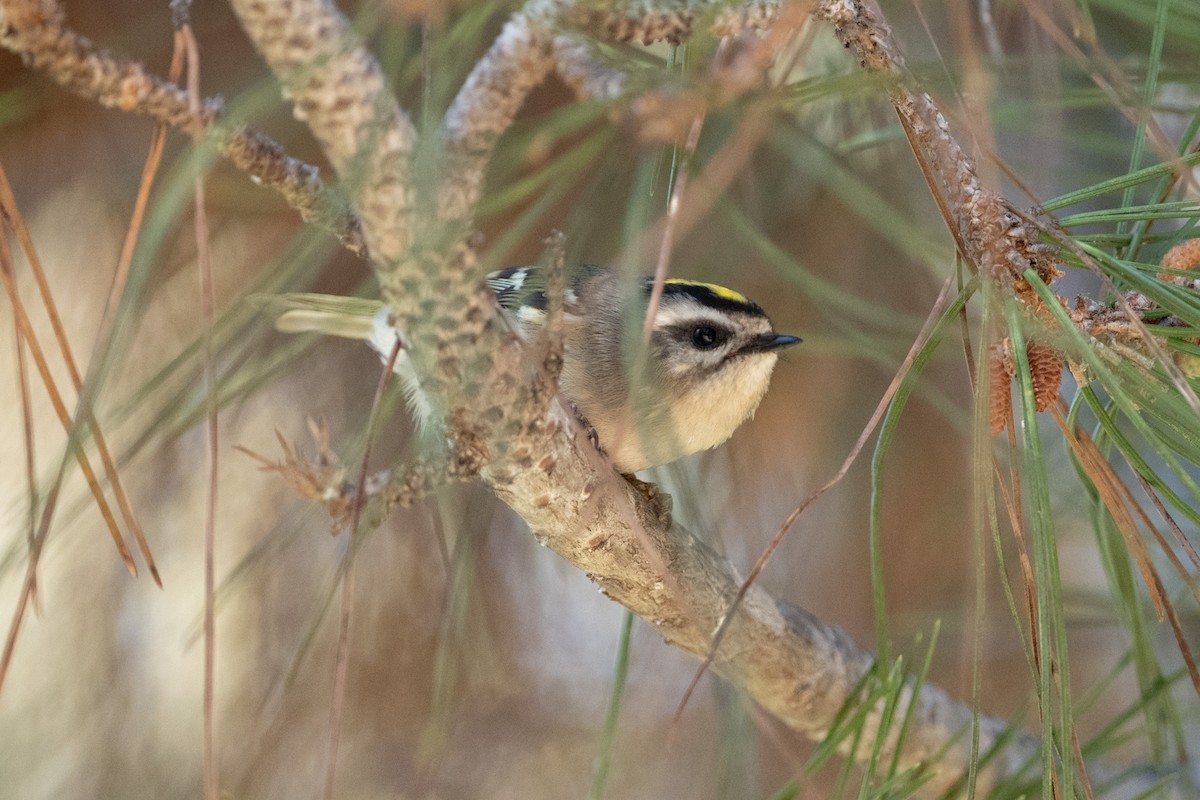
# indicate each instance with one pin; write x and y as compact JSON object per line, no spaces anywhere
{"x":34,"y":30}
{"x":667,"y":241}
{"x":208,"y":304}
{"x":108,"y":317}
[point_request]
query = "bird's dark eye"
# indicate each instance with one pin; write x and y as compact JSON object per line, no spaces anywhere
{"x":705,"y":337}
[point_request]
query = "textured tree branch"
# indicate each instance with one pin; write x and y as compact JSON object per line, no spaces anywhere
{"x":998,"y":239}
{"x":989,"y":231}
{"x":338,"y":89}
{"x":485,"y":107}
{"x":504,"y":427}
{"x":299,"y":183}
{"x":34,"y":30}
{"x":579,"y":68}
{"x":649,"y":21}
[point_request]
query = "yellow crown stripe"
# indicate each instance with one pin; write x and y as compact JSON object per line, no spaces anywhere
{"x":719,"y":291}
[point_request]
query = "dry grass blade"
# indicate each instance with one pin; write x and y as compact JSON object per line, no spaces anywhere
{"x":29,"y":585}
{"x":1013,"y":506}
{"x":1012,"y":500}
{"x":1077,"y":750}
{"x":29,"y":589}
{"x":1187,"y":577}
{"x":1181,"y":642}
{"x":751,"y":63}
{"x":26,"y":332}
{"x":1111,"y":494}
{"x":916,"y":144}
{"x":668,"y":236}
{"x":9,"y":206}
{"x":22,"y":382}
{"x":1180,"y":538}
{"x":1118,"y":501}
{"x":184,"y":40}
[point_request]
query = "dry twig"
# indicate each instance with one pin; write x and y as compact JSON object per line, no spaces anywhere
{"x":35,"y":30}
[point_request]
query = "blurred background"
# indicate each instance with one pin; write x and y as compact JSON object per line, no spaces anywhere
{"x":480,"y":665}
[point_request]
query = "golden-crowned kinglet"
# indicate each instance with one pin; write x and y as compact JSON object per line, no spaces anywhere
{"x":709,"y":360}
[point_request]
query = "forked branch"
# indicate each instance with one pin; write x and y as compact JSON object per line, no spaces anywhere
{"x":501,"y":424}
{"x":621,"y":535}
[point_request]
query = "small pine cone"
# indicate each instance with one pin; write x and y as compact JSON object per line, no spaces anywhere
{"x":1184,"y":255}
{"x":1045,"y":372}
{"x":1000,"y":372}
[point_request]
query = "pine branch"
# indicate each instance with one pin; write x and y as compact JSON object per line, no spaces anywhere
{"x":522,"y":444}
{"x":35,"y":30}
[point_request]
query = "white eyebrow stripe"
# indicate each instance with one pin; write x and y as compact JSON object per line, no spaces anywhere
{"x":692,"y":313}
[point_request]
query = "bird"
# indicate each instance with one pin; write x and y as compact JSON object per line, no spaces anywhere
{"x":704,"y":371}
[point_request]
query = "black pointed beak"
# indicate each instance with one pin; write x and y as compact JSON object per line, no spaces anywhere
{"x":771,"y":341}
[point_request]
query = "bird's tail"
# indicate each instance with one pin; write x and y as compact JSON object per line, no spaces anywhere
{"x":330,"y":314}
{"x":351,"y":318}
